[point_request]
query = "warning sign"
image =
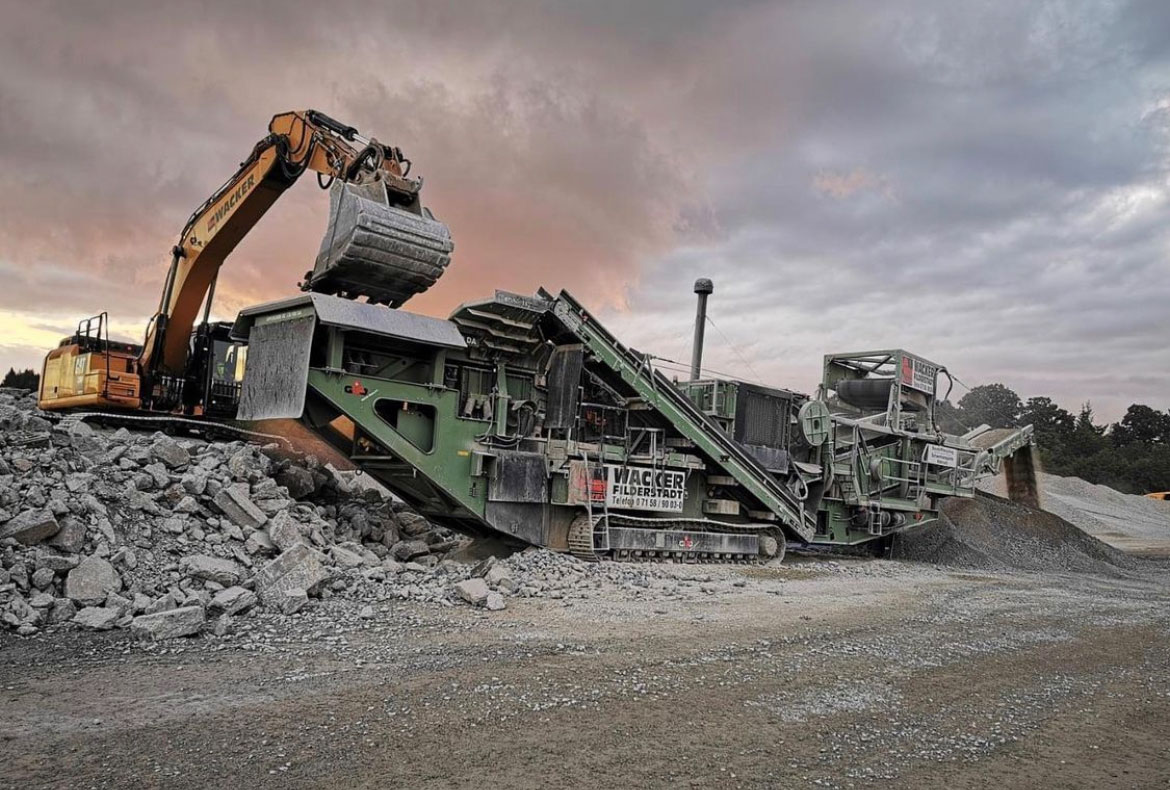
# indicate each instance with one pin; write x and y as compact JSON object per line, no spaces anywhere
{"x":938,"y":455}
{"x":639,"y":488}
{"x":918,"y":374}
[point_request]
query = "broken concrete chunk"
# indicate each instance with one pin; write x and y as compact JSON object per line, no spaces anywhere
{"x":161,"y":604}
{"x":474,"y":591}
{"x":293,"y":601}
{"x":97,"y":618}
{"x":409,"y":549}
{"x":31,"y":526}
{"x":170,"y":452}
{"x":413,"y":524}
{"x":259,"y":543}
{"x":169,"y":624}
{"x":284,"y":531}
{"x":221,"y":571}
{"x":295,"y":569}
{"x":236,"y":505}
{"x":345,"y":558}
{"x":91,"y":581}
{"x":497,"y":574}
{"x":232,"y":600}
{"x":298,"y":480}
{"x":42,"y":578}
{"x":63,"y":611}
{"x":56,"y":562}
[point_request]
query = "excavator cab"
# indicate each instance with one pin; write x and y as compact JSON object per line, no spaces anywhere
{"x":89,"y":371}
{"x":212,"y":386}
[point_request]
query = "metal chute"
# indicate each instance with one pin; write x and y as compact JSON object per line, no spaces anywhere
{"x":375,"y":250}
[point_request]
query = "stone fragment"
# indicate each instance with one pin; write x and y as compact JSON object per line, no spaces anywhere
{"x":298,"y":480}
{"x":221,"y":571}
{"x":194,"y":482}
{"x":292,"y":601}
{"x":42,"y":578}
{"x":413,"y":524}
{"x":161,"y":604}
{"x":30,"y":526}
{"x":409,"y":549}
{"x":158,"y":474}
{"x":236,"y":505}
{"x":56,"y":562}
{"x":284,"y":531}
{"x":118,"y":603}
{"x":97,"y":618}
{"x":497,"y":574}
{"x":474,"y":591}
{"x":366,"y":613}
{"x":169,"y":624}
{"x":41,"y":600}
{"x":295,"y":569}
{"x":495,"y":602}
{"x":63,"y":611}
{"x":345,"y":558}
{"x":170,"y":452}
{"x":232,"y":600}
{"x":91,"y":581}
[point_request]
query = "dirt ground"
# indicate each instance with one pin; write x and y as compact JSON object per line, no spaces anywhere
{"x":842,"y":674}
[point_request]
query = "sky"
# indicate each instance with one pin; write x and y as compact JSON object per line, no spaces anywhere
{"x":985,"y":184}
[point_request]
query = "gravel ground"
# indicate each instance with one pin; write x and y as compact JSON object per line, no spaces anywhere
{"x":843,"y":673}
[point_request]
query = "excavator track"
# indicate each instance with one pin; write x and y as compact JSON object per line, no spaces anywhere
{"x":582,"y":543}
{"x":207,"y":429}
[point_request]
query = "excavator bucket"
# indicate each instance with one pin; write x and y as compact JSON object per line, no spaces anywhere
{"x":374,"y":250}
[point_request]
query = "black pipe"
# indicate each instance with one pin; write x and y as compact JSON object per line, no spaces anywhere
{"x":704,"y":288}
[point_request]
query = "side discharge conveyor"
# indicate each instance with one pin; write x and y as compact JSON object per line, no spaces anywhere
{"x":524,"y":418}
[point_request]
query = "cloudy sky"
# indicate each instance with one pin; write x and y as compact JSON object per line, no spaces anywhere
{"x":983,"y":183}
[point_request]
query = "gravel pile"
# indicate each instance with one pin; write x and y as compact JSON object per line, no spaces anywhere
{"x":1127,"y":521}
{"x":990,"y":533}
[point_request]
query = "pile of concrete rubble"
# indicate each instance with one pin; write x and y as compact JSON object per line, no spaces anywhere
{"x":169,"y":536}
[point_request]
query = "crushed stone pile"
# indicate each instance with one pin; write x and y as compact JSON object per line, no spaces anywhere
{"x":990,"y":533}
{"x":1128,"y":521}
{"x":172,"y":536}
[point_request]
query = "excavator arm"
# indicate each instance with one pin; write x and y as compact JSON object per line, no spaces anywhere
{"x":380,"y":244}
{"x":297,"y":141}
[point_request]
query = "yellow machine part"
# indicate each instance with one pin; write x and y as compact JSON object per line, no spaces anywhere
{"x":1163,"y":495}
{"x":74,"y":378}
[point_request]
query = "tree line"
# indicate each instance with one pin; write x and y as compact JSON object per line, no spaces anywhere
{"x":26,"y":379}
{"x":1132,"y":455}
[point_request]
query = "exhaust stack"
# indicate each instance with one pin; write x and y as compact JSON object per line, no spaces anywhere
{"x":704,"y":288}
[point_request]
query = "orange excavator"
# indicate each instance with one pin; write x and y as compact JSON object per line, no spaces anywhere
{"x":381,"y":244}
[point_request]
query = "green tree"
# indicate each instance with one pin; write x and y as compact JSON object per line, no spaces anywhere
{"x":1052,"y":423}
{"x":1142,"y":424}
{"x":26,"y":379}
{"x":993,"y":404}
{"x":1087,"y":438}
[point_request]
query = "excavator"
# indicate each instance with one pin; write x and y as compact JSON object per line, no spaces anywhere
{"x":380,"y":244}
